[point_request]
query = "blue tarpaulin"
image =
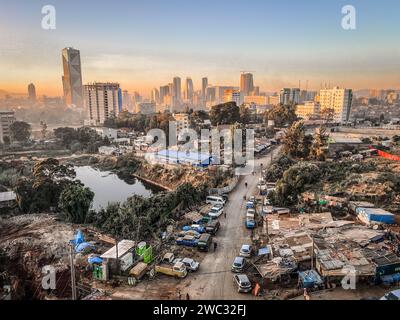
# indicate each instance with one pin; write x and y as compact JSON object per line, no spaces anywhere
{"x":83,"y":246}
{"x":263,"y":251}
{"x":310,"y":278}
{"x":79,"y":238}
{"x":95,"y":260}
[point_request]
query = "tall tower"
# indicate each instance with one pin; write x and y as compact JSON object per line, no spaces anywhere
{"x":204,"y":85}
{"x":177,"y":93}
{"x":189,"y":90}
{"x":31,"y":93}
{"x":246,"y":83}
{"x":72,"y":78}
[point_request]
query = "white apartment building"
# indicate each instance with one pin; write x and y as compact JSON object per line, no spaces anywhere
{"x":308,"y":109}
{"x":340,"y":100}
{"x":7,"y":118}
{"x":102,"y":100}
{"x":182,"y":122}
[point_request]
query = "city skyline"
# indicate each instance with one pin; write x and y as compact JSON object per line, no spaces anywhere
{"x":216,"y":44}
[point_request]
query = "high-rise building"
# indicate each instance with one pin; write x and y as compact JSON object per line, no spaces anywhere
{"x":72,"y":78}
{"x":204,"y":85}
{"x":31,"y":93}
{"x":103,"y":100}
{"x":177,"y":93}
{"x":339,"y":100}
{"x":7,"y":118}
{"x":246,"y":83}
{"x":126,"y":100}
{"x":155,"y":95}
{"x":189,"y":90}
{"x":289,"y":95}
{"x":164,"y":91}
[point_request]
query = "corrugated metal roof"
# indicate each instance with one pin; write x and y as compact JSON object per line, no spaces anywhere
{"x":123,"y":247}
{"x":7,"y":196}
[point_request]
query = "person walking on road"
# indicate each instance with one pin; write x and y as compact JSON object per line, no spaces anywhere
{"x":215,"y":246}
{"x":245,"y":184}
{"x":187,"y":296}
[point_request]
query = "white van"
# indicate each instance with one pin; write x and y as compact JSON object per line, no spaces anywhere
{"x":215,"y":200}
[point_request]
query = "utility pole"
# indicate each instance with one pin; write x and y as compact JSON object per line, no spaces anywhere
{"x":312,"y":254}
{"x":116,"y":254}
{"x":73,"y":280}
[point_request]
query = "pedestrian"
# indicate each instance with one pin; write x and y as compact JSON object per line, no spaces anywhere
{"x":187,"y":296}
{"x":215,"y":246}
{"x":179,"y":295}
{"x":225,"y":214}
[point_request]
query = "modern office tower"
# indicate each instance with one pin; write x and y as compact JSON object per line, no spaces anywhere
{"x":246,"y":83}
{"x":289,"y":95}
{"x":126,"y":100}
{"x":308,"y":110}
{"x":31,"y":93}
{"x":233,"y":95}
{"x":204,"y":85}
{"x":155,"y":95}
{"x":189,"y":90}
{"x":210,"y":94}
{"x":103,"y":100}
{"x":220,"y":93}
{"x":177,"y":93}
{"x":146,"y":108}
{"x":340,"y":100}
{"x":72,"y":78}
{"x":7,"y":118}
{"x":164,"y":91}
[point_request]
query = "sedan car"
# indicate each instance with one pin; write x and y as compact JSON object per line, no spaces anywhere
{"x":238,"y":264}
{"x":216,"y":211}
{"x":393,"y":295}
{"x":191,"y":265}
{"x":246,"y":251}
{"x":243,"y":283}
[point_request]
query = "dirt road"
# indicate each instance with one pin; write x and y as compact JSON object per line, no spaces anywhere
{"x":215,"y":279}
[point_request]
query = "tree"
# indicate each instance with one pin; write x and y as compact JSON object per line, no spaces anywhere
{"x":320,"y":143}
{"x":75,"y":202}
{"x":42,"y":191}
{"x":283,"y":115}
{"x":296,"y":143}
{"x":294,"y":181}
{"x":20,"y":131}
{"x":225,"y":113}
{"x":328,"y":114}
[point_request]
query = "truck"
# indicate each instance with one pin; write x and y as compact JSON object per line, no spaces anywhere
{"x":139,"y":270}
{"x":177,"y":270}
{"x":204,"y":242}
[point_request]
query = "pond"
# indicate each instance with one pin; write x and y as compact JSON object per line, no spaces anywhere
{"x":108,"y":187}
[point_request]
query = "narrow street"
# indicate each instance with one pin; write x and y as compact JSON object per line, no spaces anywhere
{"x":215,"y":279}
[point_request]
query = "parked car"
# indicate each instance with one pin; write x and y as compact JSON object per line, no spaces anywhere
{"x":392,"y":295}
{"x":250,"y":205}
{"x":178,"y":270}
{"x":215,"y":200}
{"x":213,"y":226}
{"x":188,"y":241}
{"x":192,"y":233}
{"x":191,"y":265}
{"x":238,"y":264}
{"x":216,"y":211}
{"x":204,"y":242}
{"x":246,"y":251}
{"x":243,"y":283}
{"x":195,"y":227}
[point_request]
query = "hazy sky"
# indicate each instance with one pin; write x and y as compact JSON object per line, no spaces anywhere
{"x":145,"y":43}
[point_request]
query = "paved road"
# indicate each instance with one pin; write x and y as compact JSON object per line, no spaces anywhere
{"x":215,"y":280}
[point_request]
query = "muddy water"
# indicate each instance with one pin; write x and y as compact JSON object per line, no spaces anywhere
{"x":108,"y":187}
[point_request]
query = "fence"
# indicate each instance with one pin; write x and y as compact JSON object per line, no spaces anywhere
{"x":227,"y":189}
